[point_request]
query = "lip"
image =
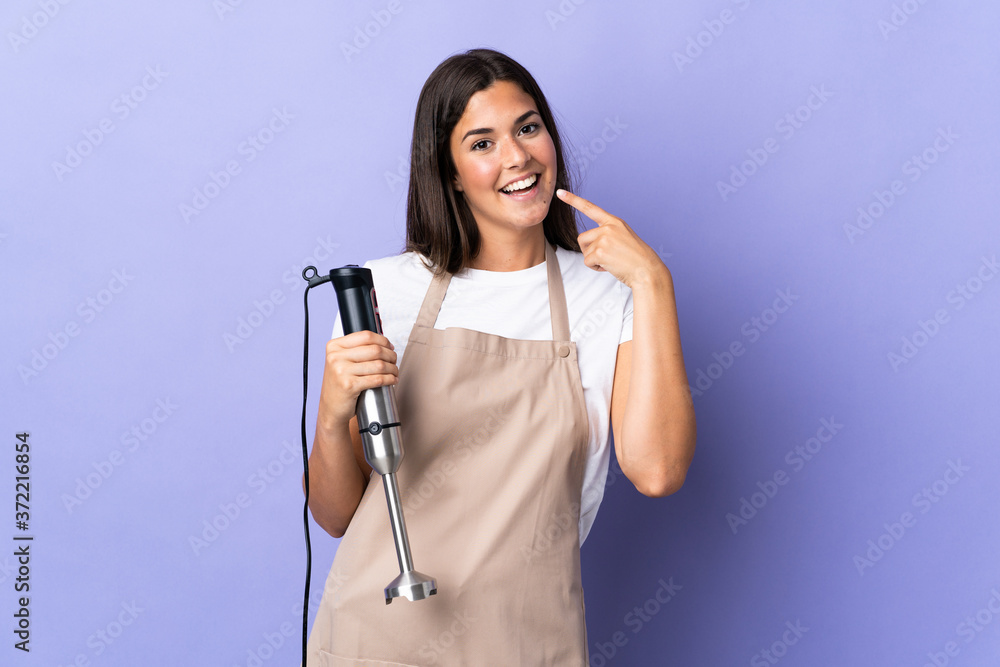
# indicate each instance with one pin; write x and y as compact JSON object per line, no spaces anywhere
{"x":520,"y":178}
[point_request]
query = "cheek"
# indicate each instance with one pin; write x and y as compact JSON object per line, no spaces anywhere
{"x":547,"y":156}
{"x":479,"y":174}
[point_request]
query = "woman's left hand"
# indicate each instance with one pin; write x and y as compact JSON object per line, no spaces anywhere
{"x":613,"y":246}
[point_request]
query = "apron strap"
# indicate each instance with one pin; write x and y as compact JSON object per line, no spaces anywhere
{"x":431,"y":305}
{"x":558,"y":312}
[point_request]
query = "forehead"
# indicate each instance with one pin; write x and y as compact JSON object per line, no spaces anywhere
{"x":495,"y":106}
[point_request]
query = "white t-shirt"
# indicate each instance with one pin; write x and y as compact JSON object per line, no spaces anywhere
{"x":515,"y":304}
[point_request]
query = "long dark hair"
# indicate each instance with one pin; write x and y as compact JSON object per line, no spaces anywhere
{"x":439,"y":223}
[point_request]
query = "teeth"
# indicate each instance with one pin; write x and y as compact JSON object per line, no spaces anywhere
{"x":521,"y":185}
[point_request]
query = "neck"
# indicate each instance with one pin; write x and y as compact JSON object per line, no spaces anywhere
{"x":512,"y":253}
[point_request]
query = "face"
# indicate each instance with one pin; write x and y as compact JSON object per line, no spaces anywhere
{"x":505,"y":161}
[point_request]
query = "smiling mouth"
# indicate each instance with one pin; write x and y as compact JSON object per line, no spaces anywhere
{"x":523,"y":186}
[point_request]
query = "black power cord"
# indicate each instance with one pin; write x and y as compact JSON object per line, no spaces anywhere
{"x":312,"y":277}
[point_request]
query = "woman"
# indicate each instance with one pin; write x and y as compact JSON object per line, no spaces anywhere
{"x":516,"y":341}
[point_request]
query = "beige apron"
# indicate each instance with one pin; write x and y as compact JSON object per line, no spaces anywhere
{"x":494,"y":436}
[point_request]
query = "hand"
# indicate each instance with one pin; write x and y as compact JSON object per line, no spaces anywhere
{"x":355,"y":362}
{"x":612,"y":246}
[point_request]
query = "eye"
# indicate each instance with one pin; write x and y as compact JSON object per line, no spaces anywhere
{"x":530,"y":128}
{"x":481,"y":145}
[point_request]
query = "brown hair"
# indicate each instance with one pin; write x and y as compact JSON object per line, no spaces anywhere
{"x":439,"y":223}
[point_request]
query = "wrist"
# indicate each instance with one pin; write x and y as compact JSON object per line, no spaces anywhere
{"x":331,"y":428}
{"x":654,"y":279}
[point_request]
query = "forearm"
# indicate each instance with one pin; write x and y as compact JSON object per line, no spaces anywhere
{"x":336,"y":483}
{"x":657,"y":435}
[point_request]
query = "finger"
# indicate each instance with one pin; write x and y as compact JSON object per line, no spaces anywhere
{"x":589,"y":209}
{"x":365,"y":337}
{"x":373,"y":381}
{"x":375,"y":367}
{"x":360,"y":353}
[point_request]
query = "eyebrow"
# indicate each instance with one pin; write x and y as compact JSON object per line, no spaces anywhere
{"x":486,"y":130}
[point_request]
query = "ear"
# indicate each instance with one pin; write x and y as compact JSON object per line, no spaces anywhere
{"x":456,"y":183}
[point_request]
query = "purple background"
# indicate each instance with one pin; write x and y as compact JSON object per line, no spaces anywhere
{"x":653,"y":136}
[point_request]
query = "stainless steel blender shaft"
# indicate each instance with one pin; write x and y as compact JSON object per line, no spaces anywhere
{"x":383,"y":449}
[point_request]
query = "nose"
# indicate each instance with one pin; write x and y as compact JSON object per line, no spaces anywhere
{"x":514,"y":153}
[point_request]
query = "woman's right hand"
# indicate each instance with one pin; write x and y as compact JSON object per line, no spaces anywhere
{"x":355,"y":362}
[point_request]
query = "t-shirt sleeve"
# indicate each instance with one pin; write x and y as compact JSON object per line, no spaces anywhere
{"x":626,"y":316}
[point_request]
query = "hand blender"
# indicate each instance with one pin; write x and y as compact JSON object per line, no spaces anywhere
{"x":378,"y":422}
